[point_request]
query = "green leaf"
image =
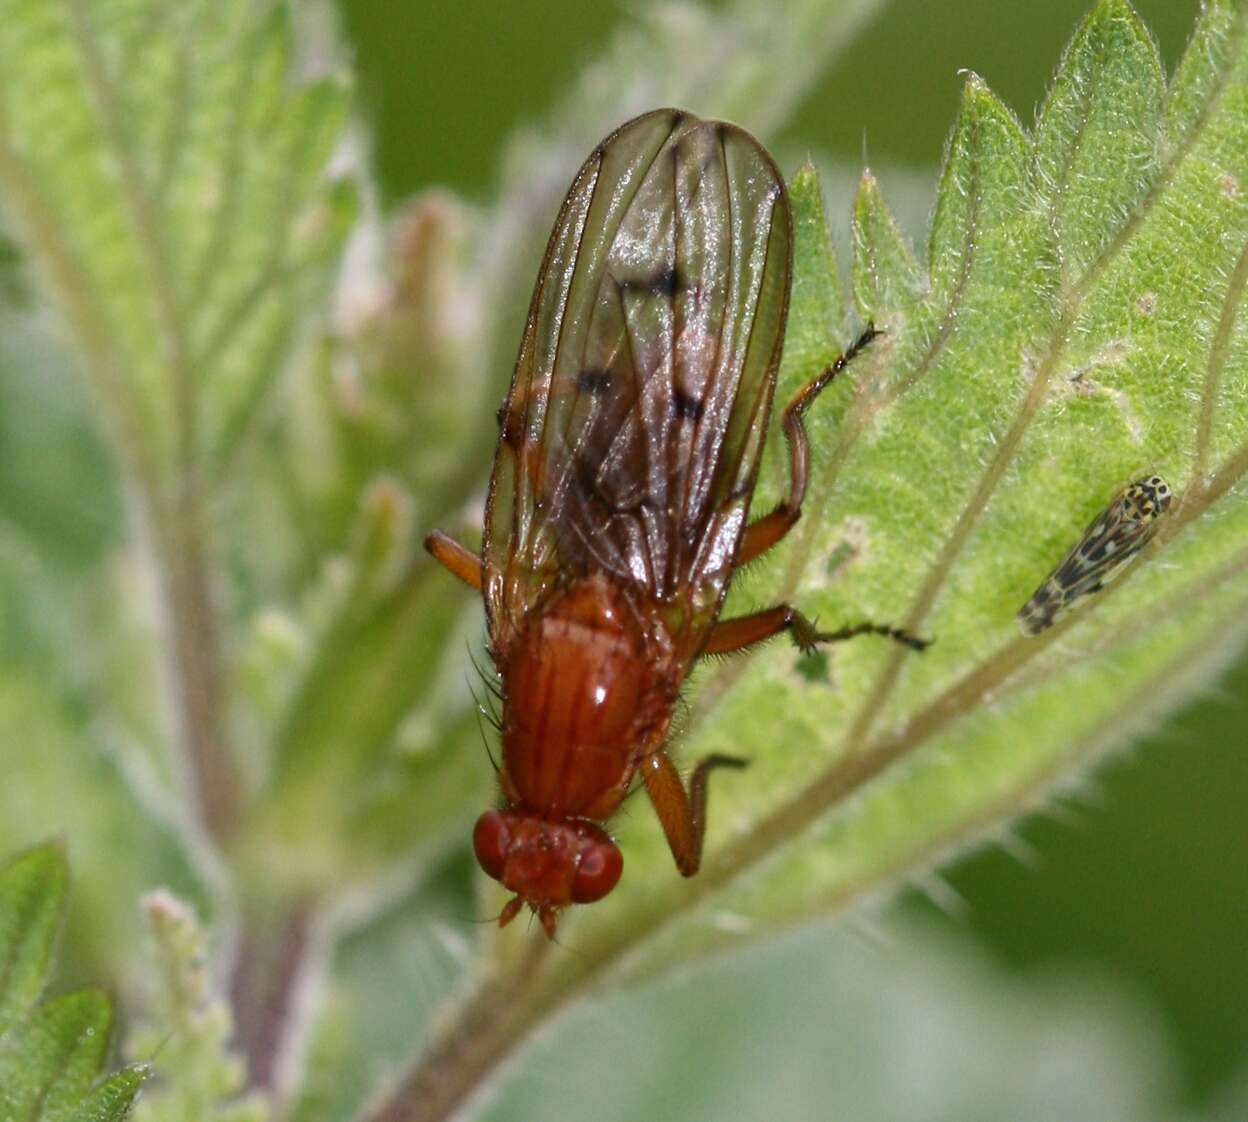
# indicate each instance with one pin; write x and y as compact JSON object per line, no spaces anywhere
{"x":52,"y":1055}
{"x":979,"y":195}
{"x":1198,"y":79}
{"x":165,"y":168}
{"x":59,"y":482}
{"x":32,"y":899}
{"x":1079,"y":323}
{"x":111,"y":1100}
{"x":349,"y":738}
{"x":167,"y":177}
{"x":886,"y":277}
{"x":817,"y":300}
{"x":1008,"y":422}
{"x":56,"y":1056}
{"x":1098,"y":140}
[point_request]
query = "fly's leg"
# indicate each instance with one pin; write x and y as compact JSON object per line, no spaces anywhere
{"x":682,"y":814}
{"x":737,"y":634}
{"x":461,"y":562}
{"x":730,"y":635}
{"x":761,"y":535}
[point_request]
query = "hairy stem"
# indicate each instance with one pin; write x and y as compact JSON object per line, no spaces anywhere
{"x":195,"y":673}
{"x":487,"y":1027}
{"x":271,"y":963}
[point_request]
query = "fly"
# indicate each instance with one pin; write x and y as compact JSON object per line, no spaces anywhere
{"x":618,"y":509}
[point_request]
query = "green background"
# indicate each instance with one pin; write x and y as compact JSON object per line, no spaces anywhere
{"x":1140,"y":877}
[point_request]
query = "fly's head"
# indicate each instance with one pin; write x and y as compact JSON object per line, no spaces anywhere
{"x":547,"y":864}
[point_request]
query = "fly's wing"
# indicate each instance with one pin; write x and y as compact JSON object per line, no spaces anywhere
{"x":632,"y":432}
{"x":1119,"y":532}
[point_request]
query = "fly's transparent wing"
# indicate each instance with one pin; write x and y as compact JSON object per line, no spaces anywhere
{"x":632,"y":432}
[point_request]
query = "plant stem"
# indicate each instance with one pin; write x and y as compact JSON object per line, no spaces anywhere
{"x":270,"y":966}
{"x":485,"y":1030}
{"x":195,"y":675}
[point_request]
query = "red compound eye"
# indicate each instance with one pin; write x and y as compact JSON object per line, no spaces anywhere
{"x":597,"y":873}
{"x":490,"y":839}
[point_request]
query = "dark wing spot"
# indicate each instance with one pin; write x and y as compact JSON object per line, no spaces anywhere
{"x":665,"y":281}
{"x":510,"y":427}
{"x":686,"y":406}
{"x":594,"y":380}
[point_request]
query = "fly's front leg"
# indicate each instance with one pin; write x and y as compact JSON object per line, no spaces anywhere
{"x":738,"y":634}
{"x":461,"y":562}
{"x":682,"y":815}
{"x":760,"y":536}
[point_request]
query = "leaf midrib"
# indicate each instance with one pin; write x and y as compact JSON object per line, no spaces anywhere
{"x":145,"y":225}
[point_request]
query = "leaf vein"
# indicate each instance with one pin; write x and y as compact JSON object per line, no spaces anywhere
{"x":145,"y":223}
{"x":1217,"y":364}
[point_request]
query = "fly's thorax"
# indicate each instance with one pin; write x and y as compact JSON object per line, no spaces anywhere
{"x":589,"y":684}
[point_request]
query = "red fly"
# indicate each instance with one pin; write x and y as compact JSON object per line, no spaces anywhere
{"x":629,"y":448}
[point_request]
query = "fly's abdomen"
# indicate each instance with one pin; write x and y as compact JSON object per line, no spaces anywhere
{"x":580,"y":703}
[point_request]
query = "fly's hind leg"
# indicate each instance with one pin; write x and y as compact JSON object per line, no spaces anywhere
{"x":761,"y":535}
{"x":461,"y":562}
{"x":738,"y":634}
{"x":682,"y":814}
